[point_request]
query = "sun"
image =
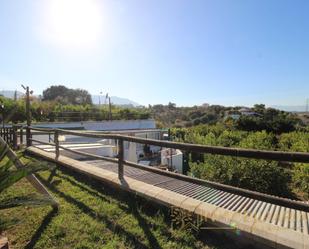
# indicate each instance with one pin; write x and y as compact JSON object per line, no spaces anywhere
{"x":73,"y":23}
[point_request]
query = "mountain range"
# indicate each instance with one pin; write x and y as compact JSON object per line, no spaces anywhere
{"x":290,"y":108}
{"x":96,"y":99}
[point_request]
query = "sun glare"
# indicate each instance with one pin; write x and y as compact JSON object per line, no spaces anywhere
{"x":73,"y":23}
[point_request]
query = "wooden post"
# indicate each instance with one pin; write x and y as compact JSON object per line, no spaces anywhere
{"x":28,"y":113}
{"x":120,"y":158}
{"x":15,"y":137}
{"x":11,"y":137}
{"x":28,"y":137}
{"x":21,"y":135}
{"x":4,"y":134}
{"x":56,"y":140}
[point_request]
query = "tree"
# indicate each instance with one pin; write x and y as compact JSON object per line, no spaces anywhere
{"x":54,"y":92}
{"x":79,"y":96}
{"x":171,"y":105}
{"x":66,"y":95}
{"x":259,"y":108}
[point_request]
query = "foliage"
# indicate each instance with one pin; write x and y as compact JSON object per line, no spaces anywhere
{"x":50,"y":111}
{"x":265,"y":176}
{"x":268,"y":119}
{"x":66,"y":95}
{"x":301,"y":178}
{"x":258,"y":175}
{"x":297,"y":141}
{"x":260,"y":118}
{"x":10,"y":175}
{"x":63,"y":104}
{"x":171,"y":115}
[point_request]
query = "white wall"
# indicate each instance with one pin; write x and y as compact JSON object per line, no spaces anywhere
{"x":175,"y":160}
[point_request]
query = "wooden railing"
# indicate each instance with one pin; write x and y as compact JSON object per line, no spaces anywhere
{"x":10,"y":135}
{"x":237,"y":152}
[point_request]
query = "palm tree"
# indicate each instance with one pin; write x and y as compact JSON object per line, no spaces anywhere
{"x":9,"y":175}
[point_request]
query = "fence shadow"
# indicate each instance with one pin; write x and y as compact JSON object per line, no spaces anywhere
{"x":36,"y":236}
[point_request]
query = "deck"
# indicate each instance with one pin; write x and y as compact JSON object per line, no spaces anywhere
{"x":259,"y":222}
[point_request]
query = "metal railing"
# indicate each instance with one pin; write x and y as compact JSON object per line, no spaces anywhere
{"x":237,"y":152}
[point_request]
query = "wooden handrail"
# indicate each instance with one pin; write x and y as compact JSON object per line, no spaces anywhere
{"x":42,"y":142}
{"x":218,"y":150}
{"x":109,"y":159}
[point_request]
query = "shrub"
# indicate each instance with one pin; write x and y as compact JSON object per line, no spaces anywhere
{"x":300,"y":178}
{"x":257,"y":175}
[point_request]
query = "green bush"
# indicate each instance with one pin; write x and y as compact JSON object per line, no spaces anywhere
{"x":300,"y":178}
{"x":258,"y":175}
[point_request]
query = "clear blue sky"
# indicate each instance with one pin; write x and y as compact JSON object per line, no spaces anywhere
{"x":232,"y":52}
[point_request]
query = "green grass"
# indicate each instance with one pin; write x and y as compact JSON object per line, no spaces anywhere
{"x":92,"y":215}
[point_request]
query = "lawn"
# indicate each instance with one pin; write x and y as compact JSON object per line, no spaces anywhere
{"x":93,"y":215}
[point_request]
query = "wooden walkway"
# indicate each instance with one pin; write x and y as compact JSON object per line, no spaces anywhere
{"x":260,"y":222}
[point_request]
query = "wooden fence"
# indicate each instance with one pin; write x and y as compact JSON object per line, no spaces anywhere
{"x":238,"y":152}
{"x":10,"y":135}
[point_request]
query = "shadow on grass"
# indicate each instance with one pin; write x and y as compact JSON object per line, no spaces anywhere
{"x":52,"y":174}
{"x":153,"y":242}
{"x":151,"y":209}
{"x":112,"y":226}
{"x":36,"y":236}
{"x":91,"y":185}
{"x":99,"y":189}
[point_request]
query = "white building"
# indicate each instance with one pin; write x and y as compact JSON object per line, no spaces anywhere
{"x":106,"y":147}
{"x":247,"y":111}
{"x":134,"y":151}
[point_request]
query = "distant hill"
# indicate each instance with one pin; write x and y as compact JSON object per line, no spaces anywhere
{"x":115,"y":100}
{"x":10,"y":94}
{"x":290,"y":108}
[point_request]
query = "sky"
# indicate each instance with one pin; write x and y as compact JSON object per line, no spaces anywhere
{"x":189,"y":52}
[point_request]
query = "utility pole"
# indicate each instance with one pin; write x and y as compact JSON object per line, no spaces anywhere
{"x":15,"y":95}
{"x":110,"y":108}
{"x":2,"y":109}
{"x":100,"y":99}
{"x":307,"y":105}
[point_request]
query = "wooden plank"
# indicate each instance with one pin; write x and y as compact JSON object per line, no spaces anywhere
{"x":120,"y":158}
